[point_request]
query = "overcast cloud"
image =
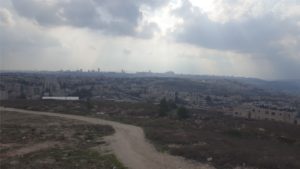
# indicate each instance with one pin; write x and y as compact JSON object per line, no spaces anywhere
{"x":217,"y":37}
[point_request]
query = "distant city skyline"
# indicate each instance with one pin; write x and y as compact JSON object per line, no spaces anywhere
{"x":245,"y":38}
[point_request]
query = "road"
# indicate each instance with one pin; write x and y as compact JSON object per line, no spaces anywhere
{"x":129,"y":144}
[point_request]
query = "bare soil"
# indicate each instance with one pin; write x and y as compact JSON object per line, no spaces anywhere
{"x":225,"y":142}
{"x":34,"y":141}
{"x":130,"y":146}
{"x":208,"y":136}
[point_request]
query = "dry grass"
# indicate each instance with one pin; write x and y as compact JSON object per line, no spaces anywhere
{"x":32,"y":141}
{"x":224,"y":141}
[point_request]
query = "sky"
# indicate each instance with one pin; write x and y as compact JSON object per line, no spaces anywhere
{"x":249,"y":38}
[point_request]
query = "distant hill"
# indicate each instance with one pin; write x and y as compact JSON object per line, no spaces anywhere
{"x":286,"y":86}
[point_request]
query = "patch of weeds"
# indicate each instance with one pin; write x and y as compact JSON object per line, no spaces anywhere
{"x":235,"y":133}
{"x":67,"y":158}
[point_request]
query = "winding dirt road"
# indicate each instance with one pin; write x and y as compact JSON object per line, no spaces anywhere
{"x":129,"y":145}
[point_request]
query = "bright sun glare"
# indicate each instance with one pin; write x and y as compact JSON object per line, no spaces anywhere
{"x":205,"y":6}
{"x":164,"y":18}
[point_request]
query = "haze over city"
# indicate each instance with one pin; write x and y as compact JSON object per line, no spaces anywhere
{"x":150,"y":84}
{"x":250,"y":38}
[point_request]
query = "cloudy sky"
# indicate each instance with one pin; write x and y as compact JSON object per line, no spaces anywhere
{"x":252,"y":38}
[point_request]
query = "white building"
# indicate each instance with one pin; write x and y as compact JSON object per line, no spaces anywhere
{"x":60,"y":98}
{"x":253,"y":112}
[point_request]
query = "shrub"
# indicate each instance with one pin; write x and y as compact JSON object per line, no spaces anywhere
{"x":182,"y":113}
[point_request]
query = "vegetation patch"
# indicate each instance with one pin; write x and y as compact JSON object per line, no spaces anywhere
{"x":27,"y":142}
{"x":67,"y":158}
{"x":206,"y":135}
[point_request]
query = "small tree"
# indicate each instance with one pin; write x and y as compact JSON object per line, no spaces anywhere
{"x":176,"y":97}
{"x":89,"y":104}
{"x":208,"y":100}
{"x":183,"y":113}
{"x":163,"y":107}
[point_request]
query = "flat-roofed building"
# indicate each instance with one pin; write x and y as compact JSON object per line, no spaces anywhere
{"x":261,"y":113}
{"x":60,"y":98}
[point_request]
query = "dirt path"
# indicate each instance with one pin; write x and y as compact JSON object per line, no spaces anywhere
{"x":29,"y":149}
{"x":129,"y":145}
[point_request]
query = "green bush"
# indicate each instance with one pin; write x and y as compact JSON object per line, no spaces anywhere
{"x":183,"y":113}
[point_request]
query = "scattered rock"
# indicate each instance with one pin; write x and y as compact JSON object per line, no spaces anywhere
{"x":100,"y":142}
{"x":200,"y":143}
{"x":14,"y":162}
{"x":82,"y":161}
{"x":209,"y":159}
{"x":174,"y":146}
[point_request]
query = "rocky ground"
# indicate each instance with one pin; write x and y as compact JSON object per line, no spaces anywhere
{"x":35,"y":141}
